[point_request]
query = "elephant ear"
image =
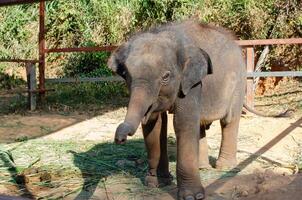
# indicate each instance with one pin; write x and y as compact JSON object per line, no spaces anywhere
{"x":197,"y":64}
{"x":116,"y":61}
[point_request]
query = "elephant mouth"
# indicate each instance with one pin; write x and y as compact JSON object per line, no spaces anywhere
{"x":148,"y":113}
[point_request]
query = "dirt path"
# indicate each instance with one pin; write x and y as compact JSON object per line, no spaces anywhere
{"x":267,"y":151}
{"x":276,"y":140}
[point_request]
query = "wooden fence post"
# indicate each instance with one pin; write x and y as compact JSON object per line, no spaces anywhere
{"x":31,"y":85}
{"x":42,"y":51}
{"x":250,"y":64}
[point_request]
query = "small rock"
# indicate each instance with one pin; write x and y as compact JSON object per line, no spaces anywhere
{"x":21,"y":179}
{"x":283,"y":171}
{"x":45,"y":177}
{"x":30,"y":171}
{"x":244,"y":193}
{"x":124,"y":163}
{"x":260,"y":178}
{"x":269,"y":173}
{"x":139,"y":161}
{"x":257,"y":189}
{"x":120,"y":163}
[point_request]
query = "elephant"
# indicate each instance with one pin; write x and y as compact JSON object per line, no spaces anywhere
{"x":194,"y":71}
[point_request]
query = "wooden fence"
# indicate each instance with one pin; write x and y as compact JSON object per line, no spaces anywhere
{"x":43,"y":51}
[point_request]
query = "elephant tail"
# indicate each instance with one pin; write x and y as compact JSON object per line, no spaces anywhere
{"x":287,"y":113}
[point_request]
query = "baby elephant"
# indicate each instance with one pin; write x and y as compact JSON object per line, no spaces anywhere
{"x":194,"y":71}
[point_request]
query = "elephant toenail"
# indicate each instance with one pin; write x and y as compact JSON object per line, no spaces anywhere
{"x":199,"y":196}
{"x":189,"y":198}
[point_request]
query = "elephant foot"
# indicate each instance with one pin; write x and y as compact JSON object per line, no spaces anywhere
{"x":191,"y":193}
{"x":224,"y":164}
{"x":204,"y":165}
{"x":155,"y":181}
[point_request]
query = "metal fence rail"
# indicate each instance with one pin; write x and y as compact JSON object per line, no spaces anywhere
{"x":119,"y":79}
{"x":17,"y":2}
{"x":19,"y":60}
{"x":275,"y":74}
{"x":81,"y":49}
{"x":248,"y":43}
{"x":82,"y":80}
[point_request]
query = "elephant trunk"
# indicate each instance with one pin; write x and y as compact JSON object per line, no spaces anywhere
{"x":139,"y":105}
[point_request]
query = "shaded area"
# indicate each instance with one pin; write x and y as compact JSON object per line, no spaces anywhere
{"x":10,"y":81}
{"x":68,"y":105}
{"x":90,"y":98}
{"x":107,"y":159}
{"x":81,"y":170}
{"x":289,"y":189}
{"x":110,"y":171}
{"x":88,"y":64}
{"x":4,"y":197}
{"x":259,"y":185}
{"x":87,"y":97}
{"x":243,"y":164}
{"x":10,"y":95}
{"x":22,"y":128}
{"x":19,"y":180}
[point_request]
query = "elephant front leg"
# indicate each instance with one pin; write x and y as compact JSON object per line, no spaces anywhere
{"x":187,"y":168}
{"x":155,"y":135}
{"x":187,"y":129}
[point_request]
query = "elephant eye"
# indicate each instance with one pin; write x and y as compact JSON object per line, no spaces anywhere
{"x":166,"y":77}
{"x":122,"y":73}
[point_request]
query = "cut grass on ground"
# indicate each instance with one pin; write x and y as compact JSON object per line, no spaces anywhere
{"x":73,"y":168}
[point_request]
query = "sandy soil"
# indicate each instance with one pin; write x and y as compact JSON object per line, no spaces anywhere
{"x":267,"y":151}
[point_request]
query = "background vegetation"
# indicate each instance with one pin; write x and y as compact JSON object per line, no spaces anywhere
{"x":93,"y":22}
{"x":104,"y":22}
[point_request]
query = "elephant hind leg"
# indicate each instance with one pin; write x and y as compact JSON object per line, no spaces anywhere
{"x":203,"y":150}
{"x":228,"y":148}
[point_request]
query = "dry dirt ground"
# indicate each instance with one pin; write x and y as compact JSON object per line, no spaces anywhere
{"x":71,"y":156}
{"x":268,"y":149}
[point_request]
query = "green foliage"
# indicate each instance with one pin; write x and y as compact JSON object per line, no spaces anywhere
{"x":94,"y":94}
{"x":83,"y":22}
{"x":152,"y":12}
{"x":9,"y":82}
{"x":15,"y":104}
{"x":73,"y":23}
{"x":83,"y":97}
{"x":18,"y":29}
{"x":87,"y":65}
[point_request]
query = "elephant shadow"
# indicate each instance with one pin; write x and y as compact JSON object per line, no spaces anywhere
{"x":105,"y":160}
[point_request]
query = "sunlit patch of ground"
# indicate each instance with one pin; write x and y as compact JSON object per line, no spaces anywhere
{"x":71,"y":154}
{"x":75,"y":153}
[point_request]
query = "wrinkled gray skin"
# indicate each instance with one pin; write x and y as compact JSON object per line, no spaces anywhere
{"x":194,"y":71}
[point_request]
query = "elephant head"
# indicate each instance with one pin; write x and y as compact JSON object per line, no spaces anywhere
{"x":158,"y":68}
